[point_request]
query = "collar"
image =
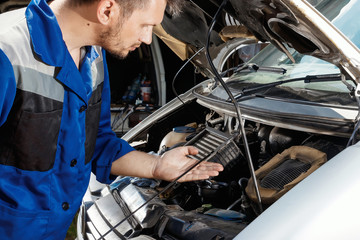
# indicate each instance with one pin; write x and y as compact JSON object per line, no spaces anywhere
{"x":46,"y":36}
{"x":47,"y":42}
{"x":45,"y":33}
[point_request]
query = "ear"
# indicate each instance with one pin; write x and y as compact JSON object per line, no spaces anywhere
{"x":107,"y":10}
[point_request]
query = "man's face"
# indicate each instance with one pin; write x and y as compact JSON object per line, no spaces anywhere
{"x":127,"y":35}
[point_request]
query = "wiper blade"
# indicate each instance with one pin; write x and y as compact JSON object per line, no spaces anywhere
{"x":306,"y":79}
{"x":253,"y":67}
{"x":320,"y":78}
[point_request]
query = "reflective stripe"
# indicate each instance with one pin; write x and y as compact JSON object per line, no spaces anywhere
{"x":10,"y":19}
{"x":32,"y":75}
{"x":16,"y":44}
{"x":97,"y":72}
{"x":31,"y":80}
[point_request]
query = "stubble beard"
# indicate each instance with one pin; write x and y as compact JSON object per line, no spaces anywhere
{"x":110,"y":40}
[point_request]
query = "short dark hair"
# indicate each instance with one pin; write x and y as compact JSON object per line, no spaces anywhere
{"x":128,"y":6}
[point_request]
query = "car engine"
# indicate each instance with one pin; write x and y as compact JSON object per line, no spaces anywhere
{"x":217,"y":208}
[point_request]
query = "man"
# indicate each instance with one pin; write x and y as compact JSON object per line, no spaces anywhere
{"x":55,"y":110}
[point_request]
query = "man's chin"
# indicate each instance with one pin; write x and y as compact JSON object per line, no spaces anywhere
{"x":118,"y":54}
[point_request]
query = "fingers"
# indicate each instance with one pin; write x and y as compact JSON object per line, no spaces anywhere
{"x":209,"y":166}
{"x":210,"y":172}
{"x":177,"y":161}
{"x":198,"y":175}
{"x":204,"y":171}
{"x":192,"y":150}
{"x":188,"y":178}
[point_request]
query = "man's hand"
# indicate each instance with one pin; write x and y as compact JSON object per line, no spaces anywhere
{"x":168,"y":166}
{"x":175,"y":162}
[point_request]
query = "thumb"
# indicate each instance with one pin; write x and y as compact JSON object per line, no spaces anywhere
{"x":192,"y":150}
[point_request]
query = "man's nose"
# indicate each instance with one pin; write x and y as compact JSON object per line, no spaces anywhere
{"x":146,"y":37}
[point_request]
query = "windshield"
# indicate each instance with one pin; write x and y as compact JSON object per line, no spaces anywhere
{"x":343,"y":15}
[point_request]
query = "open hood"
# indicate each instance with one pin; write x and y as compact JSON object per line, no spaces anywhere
{"x":285,"y":23}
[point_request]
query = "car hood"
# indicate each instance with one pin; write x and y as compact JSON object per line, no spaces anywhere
{"x":285,"y":23}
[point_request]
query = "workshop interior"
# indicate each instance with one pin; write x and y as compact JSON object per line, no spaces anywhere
{"x":205,"y":82}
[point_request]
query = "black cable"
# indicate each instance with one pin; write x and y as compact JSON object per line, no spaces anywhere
{"x":118,"y":116}
{"x":236,"y":68}
{"x":238,"y":113}
{"x":177,"y":73}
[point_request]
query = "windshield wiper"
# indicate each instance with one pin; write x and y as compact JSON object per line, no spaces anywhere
{"x":252,"y":67}
{"x":306,"y":79}
{"x":255,"y":68}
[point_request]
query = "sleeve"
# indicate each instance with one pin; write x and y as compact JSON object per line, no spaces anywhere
{"x":108,"y":146}
{"x":7,"y":87}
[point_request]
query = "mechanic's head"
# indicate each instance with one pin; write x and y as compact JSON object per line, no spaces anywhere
{"x":125,"y":24}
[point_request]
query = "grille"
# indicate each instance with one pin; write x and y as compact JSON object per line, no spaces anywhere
{"x":284,"y":174}
{"x":219,"y":146}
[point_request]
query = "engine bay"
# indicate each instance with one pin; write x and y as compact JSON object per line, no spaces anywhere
{"x":217,"y":208}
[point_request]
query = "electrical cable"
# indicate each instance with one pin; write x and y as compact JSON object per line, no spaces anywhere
{"x":238,"y":112}
{"x":118,"y":116}
{"x":177,"y":73}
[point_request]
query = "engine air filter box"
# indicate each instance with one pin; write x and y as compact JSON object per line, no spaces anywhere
{"x":284,"y":171}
